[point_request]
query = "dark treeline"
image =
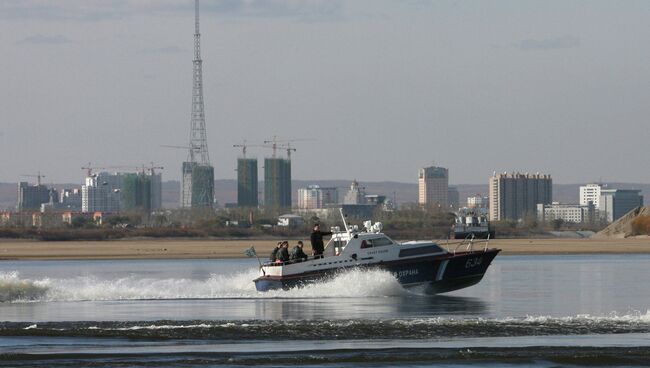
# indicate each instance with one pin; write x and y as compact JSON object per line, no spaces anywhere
{"x":409,"y":222}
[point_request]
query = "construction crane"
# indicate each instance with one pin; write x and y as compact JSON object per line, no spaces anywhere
{"x":177,"y":147}
{"x":245,"y":145}
{"x":285,"y":144}
{"x":288,"y":148}
{"x":151,"y":168}
{"x":38,"y":177}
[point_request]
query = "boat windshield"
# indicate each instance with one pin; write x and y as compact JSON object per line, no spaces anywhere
{"x":334,"y":244}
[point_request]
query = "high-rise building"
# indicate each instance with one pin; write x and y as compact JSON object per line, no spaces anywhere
{"x":515,"y":196}
{"x":70,"y":199}
{"x":141,"y":191}
{"x":590,"y":193}
{"x":615,"y":203}
{"x":315,"y":197}
{"x":247,"y":182}
{"x":277,"y":183}
{"x":453,"y":198}
{"x":105,"y":192}
{"x":101,"y":193}
{"x":197,"y":187}
{"x":433,"y":188}
{"x":30,"y":197}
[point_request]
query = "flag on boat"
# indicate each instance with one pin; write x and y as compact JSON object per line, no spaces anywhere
{"x":250,"y":252}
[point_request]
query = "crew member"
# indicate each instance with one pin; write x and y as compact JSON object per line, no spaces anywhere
{"x":274,"y":252}
{"x":283,"y":252}
{"x":317,"y":246}
{"x":297,"y":254}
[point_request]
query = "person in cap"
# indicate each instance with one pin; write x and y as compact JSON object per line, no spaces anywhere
{"x":297,"y":254}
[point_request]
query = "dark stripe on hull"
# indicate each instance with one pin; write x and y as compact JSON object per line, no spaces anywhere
{"x":441,"y":274}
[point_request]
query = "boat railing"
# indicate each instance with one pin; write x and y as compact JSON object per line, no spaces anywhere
{"x":468,"y":242}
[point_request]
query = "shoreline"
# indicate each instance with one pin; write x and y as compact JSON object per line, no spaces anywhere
{"x":16,"y":250}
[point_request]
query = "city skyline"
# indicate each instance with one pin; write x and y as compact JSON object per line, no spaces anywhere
{"x":544,"y":86}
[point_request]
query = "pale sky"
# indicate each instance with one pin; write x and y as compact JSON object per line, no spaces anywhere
{"x":384,"y":87}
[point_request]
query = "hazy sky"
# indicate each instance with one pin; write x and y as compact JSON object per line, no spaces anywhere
{"x":384,"y":87}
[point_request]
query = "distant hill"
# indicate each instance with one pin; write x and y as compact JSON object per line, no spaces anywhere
{"x":226,"y":190}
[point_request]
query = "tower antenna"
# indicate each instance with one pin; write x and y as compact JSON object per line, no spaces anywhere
{"x":198,"y":151}
{"x":197,"y":189}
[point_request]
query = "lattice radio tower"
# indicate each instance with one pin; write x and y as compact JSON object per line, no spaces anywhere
{"x":198,"y":139}
{"x":198,"y":175}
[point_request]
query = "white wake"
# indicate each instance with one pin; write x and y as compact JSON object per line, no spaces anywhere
{"x":353,"y":283}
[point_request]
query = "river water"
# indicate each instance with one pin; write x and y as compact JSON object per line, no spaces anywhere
{"x":528,"y":310}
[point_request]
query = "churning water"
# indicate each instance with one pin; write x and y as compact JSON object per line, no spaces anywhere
{"x":529,"y":310}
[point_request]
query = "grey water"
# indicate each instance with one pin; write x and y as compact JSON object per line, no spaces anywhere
{"x":528,"y":310}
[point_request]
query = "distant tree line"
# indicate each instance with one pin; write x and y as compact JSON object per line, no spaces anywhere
{"x":409,"y":222}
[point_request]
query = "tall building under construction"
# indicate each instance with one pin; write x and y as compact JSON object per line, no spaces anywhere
{"x":277,"y":183}
{"x":30,"y":197}
{"x":247,"y":182}
{"x":141,"y":191}
{"x":197,"y":187}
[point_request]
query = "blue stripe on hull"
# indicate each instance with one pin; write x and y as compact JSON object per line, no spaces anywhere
{"x":443,"y":274}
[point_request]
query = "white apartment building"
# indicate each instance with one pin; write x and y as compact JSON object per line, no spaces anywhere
{"x":315,"y":197}
{"x":567,"y":212}
{"x":590,"y":193}
{"x":101,"y":193}
{"x":477,"y":202}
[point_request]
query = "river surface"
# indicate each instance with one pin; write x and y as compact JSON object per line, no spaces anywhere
{"x":543,"y":311}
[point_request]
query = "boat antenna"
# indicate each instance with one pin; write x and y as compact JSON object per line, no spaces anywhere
{"x":347,"y":229}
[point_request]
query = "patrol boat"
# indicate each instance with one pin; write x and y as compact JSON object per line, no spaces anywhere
{"x":423,"y":264}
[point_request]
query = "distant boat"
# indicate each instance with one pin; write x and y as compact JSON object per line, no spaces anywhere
{"x":472,"y":225}
{"x":423,"y":264}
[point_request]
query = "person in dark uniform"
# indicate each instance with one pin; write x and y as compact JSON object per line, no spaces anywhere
{"x":283,"y":252}
{"x":297,"y":254}
{"x":316,"y":238}
{"x":274,"y":253}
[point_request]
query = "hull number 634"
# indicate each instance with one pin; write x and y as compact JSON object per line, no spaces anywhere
{"x":473,"y":262}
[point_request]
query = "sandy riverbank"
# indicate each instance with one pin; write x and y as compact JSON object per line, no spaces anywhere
{"x":174,"y":248}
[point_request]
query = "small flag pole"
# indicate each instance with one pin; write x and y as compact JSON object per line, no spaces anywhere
{"x":252,"y":253}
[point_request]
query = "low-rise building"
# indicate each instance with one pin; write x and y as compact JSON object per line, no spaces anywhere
{"x":574,"y":213}
{"x":290,"y":220}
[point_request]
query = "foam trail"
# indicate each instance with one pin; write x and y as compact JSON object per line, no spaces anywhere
{"x":12,"y":288}
{"x":353,"y":283}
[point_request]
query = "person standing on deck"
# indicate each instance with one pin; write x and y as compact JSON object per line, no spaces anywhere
{"x":317,"y":246}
